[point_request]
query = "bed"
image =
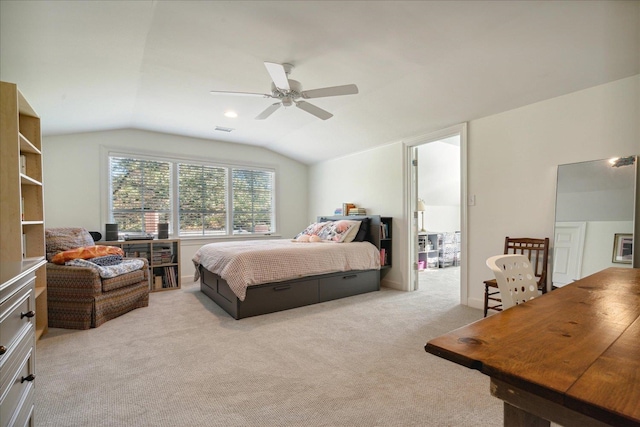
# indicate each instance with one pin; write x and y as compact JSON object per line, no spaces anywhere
{"x":250,"y":278}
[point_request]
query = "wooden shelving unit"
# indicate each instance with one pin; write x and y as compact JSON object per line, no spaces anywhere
{"x":21,"y":191}
{"x":163,"y":256}
{"x":23,"y":274}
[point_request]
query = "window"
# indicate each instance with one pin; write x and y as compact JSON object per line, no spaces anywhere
{"x":252,"y":200}
{"x":196,"y":199}
{"x":202,"y":202}
{"x":141,"y":196}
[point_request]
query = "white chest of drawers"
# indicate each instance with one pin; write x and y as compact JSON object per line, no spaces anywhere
{"x":17,"y":342}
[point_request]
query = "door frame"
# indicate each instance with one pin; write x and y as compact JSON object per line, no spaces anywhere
{"x":410,"y":198}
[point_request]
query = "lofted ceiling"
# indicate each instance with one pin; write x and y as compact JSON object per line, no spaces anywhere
{"x":420,"y":66}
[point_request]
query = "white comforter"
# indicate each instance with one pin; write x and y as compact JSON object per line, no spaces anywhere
{"x":254,"y":262}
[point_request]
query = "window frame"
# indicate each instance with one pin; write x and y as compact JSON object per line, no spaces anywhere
{"x":136,"y":158}
{"x":174,"y":160}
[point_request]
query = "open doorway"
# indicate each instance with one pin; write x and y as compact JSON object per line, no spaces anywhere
{"x":436,"y":195}
{"x":438,"y":176}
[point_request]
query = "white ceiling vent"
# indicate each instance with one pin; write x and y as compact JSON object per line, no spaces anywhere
{"x":223,"y":129}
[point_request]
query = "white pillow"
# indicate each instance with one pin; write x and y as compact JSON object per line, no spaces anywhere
{"x":342,"y":231}
{"x":314,"y":228}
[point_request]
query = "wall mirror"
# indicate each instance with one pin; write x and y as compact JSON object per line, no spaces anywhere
{"x":596,"y":218}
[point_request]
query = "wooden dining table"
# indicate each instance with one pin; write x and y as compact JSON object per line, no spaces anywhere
{"x":571,"y":356}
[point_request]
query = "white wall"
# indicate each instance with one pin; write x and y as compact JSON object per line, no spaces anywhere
{"x":439,"y":184}
{"x":605,"y":205}
{"x":441,"y":218}
{"x":598,"y":246}
{"x":512,"y":164}
{"x":370,"y":179}
{"x":513,"y":159}
{"x":72,"y":177}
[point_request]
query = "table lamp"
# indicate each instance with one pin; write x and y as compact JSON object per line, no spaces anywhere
{"x":421,"y":209}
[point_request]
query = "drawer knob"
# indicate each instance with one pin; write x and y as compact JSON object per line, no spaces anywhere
{"x":3,"y":350}
{"x":28,"y":314}
{"x":29,"y":377}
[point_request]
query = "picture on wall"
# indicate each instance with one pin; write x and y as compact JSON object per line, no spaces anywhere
{"x":622,"y":248}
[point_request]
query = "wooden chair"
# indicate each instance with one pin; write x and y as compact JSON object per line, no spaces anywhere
{"x":537,"y":251}
{"x":515,"y":277}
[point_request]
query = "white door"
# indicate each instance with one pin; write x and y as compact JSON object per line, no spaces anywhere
{"x":568,"y":246}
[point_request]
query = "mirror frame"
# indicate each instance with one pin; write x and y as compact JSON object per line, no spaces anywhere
{"x":580,"y":225}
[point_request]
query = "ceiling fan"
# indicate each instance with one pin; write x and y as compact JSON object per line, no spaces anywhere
{"x":289,"y":92}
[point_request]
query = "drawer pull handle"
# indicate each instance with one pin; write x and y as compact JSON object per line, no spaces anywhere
{"x":29,"y":377}
{"x":3,"y":350}
{"x":282,"y":288}
{"x":28,"y":314}
{"x":353,"y":276}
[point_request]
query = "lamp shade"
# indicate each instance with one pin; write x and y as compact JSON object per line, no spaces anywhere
{"x":421,"y":206}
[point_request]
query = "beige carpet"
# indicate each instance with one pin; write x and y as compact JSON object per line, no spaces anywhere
{"x":183,"y":361}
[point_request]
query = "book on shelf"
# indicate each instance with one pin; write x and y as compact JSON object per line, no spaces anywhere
{"x":162,"y":256}
{"x":170,"y":277}
{"x":157,"y":282}
{"x":383,"y":256}
{"x":384,"y":230}
{"x":357,"y":211}
{"x":346,"y":207}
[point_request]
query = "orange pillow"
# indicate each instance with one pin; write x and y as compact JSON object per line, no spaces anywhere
{"x":86,"y":252}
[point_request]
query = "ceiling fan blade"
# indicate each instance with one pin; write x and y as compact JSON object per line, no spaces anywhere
{"x":269,"y":111}
{"x":330,"y":91}
{"x":278,"y":75}
{"x":224,"y":92}
{"x":312,"y":109}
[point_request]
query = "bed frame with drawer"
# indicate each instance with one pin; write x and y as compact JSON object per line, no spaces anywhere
{"x":278,"y":296}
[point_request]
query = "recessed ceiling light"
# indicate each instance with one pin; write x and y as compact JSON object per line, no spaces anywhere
{"x":231,"y":114}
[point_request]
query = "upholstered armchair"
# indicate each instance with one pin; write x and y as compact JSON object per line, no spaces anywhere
{"x":77,"y":296}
